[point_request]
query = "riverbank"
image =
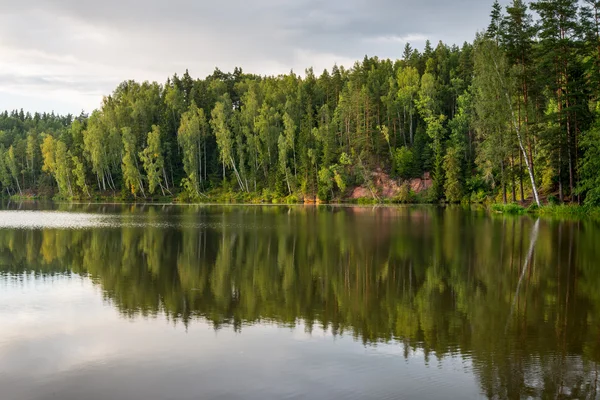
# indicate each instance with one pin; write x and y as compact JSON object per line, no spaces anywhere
{"x":222,"y":197}
{"x":564,"y":210}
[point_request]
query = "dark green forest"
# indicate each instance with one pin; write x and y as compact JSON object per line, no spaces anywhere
{"x":513,"y":116}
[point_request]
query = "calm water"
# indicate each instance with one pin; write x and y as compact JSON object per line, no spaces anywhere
{"x":185,"y":302}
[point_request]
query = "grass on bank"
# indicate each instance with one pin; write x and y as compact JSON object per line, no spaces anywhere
{"x":551,"y":210}
{"x":406,"y":196}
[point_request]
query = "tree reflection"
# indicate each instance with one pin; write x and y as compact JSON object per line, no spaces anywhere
{"x":516,"y":296}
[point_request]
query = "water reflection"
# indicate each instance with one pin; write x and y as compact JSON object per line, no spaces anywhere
{"x":517,"y":297}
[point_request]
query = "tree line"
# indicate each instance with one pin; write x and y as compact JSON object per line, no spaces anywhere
{"x":512,"y":116}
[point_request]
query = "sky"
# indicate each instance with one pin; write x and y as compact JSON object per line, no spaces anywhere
{"x":64,"y":55}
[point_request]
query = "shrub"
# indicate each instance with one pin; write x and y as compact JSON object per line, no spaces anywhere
{"x":404,"y":162}
{"x":553,"y":200}
{"x":292,"y":199}
{"x":510,"y":208}
{"x":478,"y":197}
{"x":405,"y":194}
{"x":453,"y":189}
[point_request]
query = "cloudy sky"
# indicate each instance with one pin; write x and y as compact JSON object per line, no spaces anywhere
{"x":63,"y":55}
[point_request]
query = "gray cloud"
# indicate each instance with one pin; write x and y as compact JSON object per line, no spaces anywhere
{"x":82,"y":48}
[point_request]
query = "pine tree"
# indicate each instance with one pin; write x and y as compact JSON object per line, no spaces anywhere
{"x":558,"y":29}
{"x":494,"y":30}
{"x":453,"y":183}
{"x":435,"y":128}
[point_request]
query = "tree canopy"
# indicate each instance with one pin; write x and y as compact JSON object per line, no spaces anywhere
{"x":511,"y":116}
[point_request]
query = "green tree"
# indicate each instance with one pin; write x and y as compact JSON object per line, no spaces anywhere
{"x":32,"y":155}
{"x":453,"y":185}
{"x":153,"y":161}
{"x":282,"y":147}
{"x":558,"y":31}
{"x":191,"y":136}
{"x":428,"y":108}
{"x":63,"y":170}
{"x":129,"y":165}
{"x":5,"y":178}
{"x":79,"y":174}
{"x":13,"y":167}
{"x":49,"y":154}
{"x":495,"y":109}
{"x":101,"y":142}
{"x":404,"y":162}
{"x":225,"y":141}
{"x":589,"y":185}
{"x":408,"y":87}
{"x":326,"y":181}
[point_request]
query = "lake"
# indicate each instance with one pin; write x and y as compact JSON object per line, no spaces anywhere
{"x":295,"y":302}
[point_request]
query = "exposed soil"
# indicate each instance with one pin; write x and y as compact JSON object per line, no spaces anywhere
{"x":387,"y":188}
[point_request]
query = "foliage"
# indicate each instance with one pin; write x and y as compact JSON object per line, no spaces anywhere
{"x":590,"y":166}
{"x":153,"y":161}
{"x":131,"y":173}
{"x":404,"y":162}
{"x":510,"y":208}
{"x":453,"y":185}
{"x":405,"y":194}
{"x":514,"y":111}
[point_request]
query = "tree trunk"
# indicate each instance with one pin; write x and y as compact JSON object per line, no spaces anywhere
{"x":294,"y":151}
{"x":141,"y":186}
{"x":69,"y":183}
{"x":165,"y":178}
{"x":411,"y":122}
{"x":561,"y":195}
{"x":112,"y":180}
{"x":519,"y":137}
{"x":503,"y":177}
{"x":402,"y":125}
{"x":512,"y":175}
{"x":237,"y":175}
{"x":521,"y":176}
{"x":199,"y":165}
{"x":288,"y":182}
{"x":18,"y":186}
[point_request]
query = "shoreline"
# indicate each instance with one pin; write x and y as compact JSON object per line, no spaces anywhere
{"x":576,"y":211}
{"x":550,"y":210}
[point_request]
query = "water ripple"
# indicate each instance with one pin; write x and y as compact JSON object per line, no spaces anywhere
{"x":50,"y":219}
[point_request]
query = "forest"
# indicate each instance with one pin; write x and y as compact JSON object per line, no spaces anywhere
{"x":512,"y":117}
